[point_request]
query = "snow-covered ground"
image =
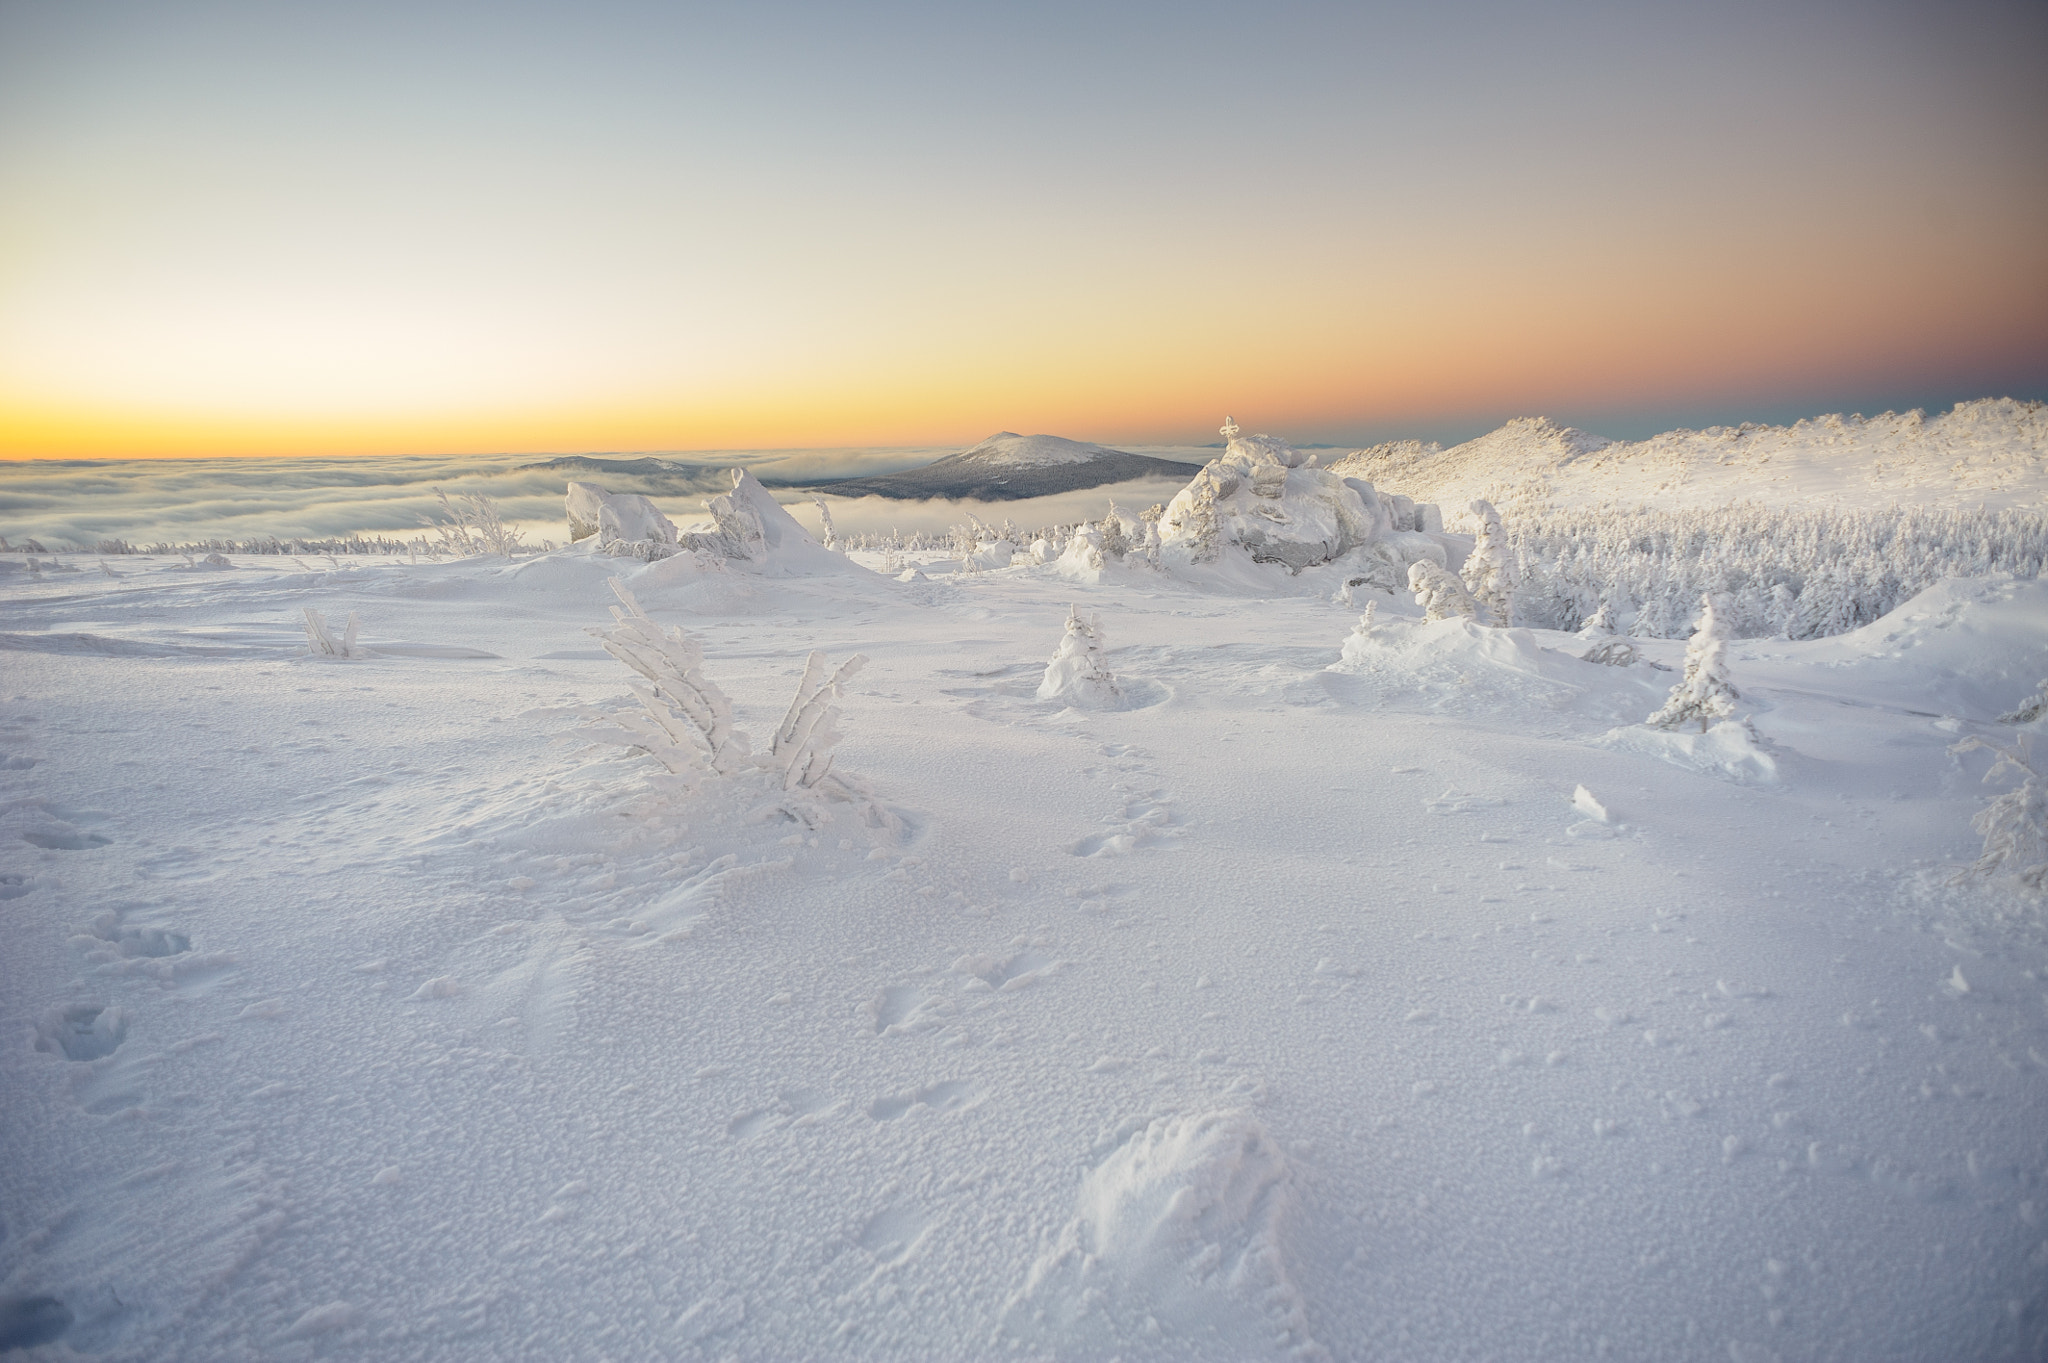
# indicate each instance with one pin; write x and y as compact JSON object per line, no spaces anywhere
{"x":1389,"y":995}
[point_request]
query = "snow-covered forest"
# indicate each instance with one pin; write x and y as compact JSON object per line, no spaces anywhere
{"x":1334,"y":911}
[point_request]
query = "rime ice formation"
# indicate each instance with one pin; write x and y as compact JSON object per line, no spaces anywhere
{"x":615,"y":517}
{"x":1263,"y":501}
{"x":748,"y":530}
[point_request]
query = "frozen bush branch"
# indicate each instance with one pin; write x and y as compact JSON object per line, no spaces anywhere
{"x":320,"y":639}
{"x":687,"y":720}
{"x":802,"y":754}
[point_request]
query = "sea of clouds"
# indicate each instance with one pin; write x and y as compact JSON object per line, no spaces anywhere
{"x":78,"y":504}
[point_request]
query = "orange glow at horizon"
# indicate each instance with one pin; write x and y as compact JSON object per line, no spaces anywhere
{"x":243,"y":253}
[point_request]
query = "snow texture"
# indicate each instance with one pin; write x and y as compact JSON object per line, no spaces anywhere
{"x":1381,"y":987}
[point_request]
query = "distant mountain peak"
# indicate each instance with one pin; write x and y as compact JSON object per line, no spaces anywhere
{"x":1033,"y":451}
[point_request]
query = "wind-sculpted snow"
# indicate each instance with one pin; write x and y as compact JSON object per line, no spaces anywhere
{"x":1176,"y":1247}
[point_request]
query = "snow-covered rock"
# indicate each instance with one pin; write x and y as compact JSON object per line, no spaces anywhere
{"x":1263,"y":502}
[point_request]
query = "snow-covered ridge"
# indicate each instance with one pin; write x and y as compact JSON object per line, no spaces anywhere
{"x":1993,"y":451}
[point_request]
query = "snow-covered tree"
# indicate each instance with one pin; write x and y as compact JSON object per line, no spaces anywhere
{"x":2014,"y":825}
{"x":2030,"y":709}
{"x":1441,"y":596}
{"x":830,"y":536}
{"x":1600,"y":625}
{"x":1078,"y":673}
{"x":1116,"y":541}
{"x":1488,"y":572}
{"x":1704,"y":692}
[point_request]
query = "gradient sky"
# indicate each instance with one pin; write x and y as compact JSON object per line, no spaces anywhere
{"x":315,"y":229}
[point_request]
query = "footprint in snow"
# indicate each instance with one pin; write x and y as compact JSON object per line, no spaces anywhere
{"x":82,"y":1031}
{"x":949,"y":1096}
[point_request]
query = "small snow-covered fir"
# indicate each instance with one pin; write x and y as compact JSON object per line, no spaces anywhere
{"x":1704,"y":694}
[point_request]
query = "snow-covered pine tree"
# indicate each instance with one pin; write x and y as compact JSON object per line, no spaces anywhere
{"x":1488,"y":574}
{"x":1704,"y":692}
{"x":1078,"y":672}
{"x":2014,"y":825}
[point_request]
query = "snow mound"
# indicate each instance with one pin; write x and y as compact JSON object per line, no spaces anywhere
{"x":1972,"y":648}
{"x":1261,"y":502}
{"x":1035,"y":451}
{"x":1994,"y":450}
{"x":1456,"y":666}
{"x":1727,"y":750}
{"x":1175,"y":1244}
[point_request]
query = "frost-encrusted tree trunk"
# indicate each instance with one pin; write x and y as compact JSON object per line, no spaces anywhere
{"x":687,"y":720}
{"x":1441,"y":596}
{"x":1704,"y":692}
{"x":2014,"y":825}
{"x":1488,"y":573}
{"x":802,"y":754}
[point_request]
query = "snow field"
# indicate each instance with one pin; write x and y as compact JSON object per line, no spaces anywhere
{"x":360,"y":1008}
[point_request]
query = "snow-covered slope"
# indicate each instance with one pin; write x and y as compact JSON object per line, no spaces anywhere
{"x":1008,"y":467}
{"x":1351,"y":992}
{"x":1993,"y":451}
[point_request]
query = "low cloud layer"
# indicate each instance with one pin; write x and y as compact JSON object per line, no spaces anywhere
{"x":78,"y":504}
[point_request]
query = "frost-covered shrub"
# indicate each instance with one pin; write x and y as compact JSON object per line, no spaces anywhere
{"x":1441,"y":596}
{"x":321,"y":641}
{"x":685,"y":720}
{"x":1704,"y":692}
{"x":802,"y":753}
{"x":1078,"y":673}
{"x":474,"y":526}
{"x":2014,"y":825}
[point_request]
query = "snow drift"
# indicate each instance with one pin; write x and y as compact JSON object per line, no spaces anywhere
{"x":1175,"y":1243}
